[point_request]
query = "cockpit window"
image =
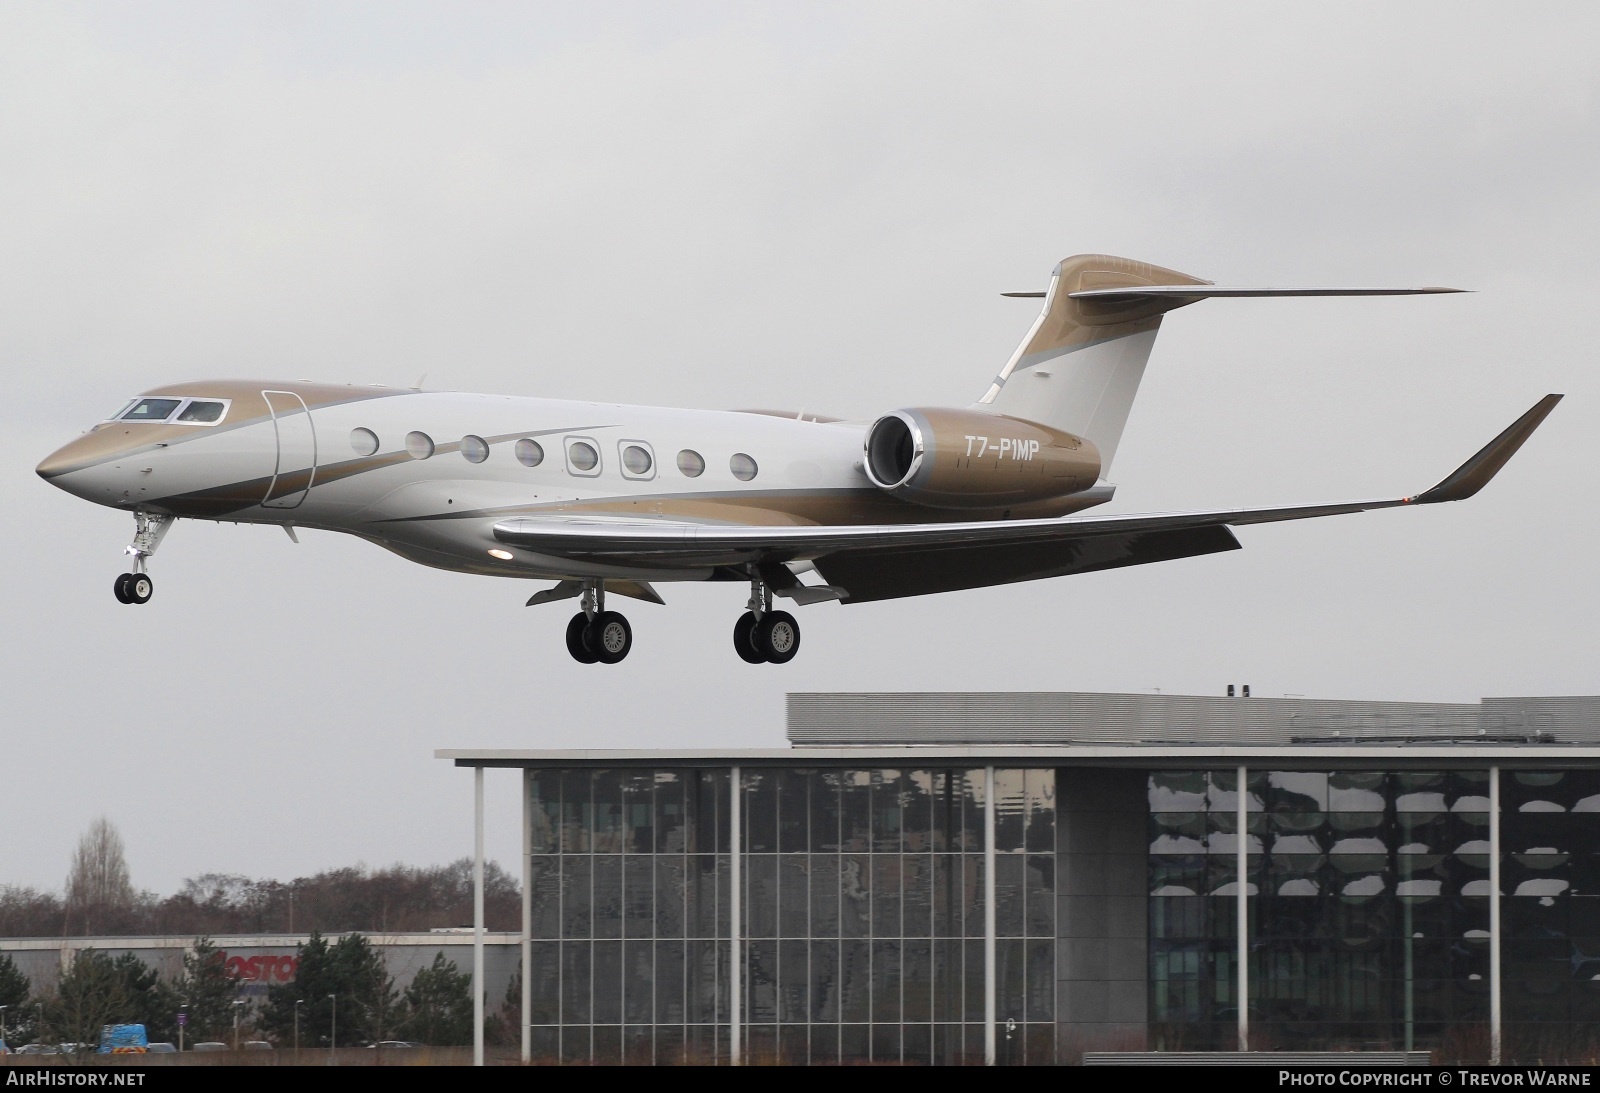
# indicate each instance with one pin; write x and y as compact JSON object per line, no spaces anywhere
{"x":151,"y":409}
{"x":202,"y":412}
{"x":126,"y":406}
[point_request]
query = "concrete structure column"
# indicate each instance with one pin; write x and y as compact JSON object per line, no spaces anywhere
{"x":1496,"y":1043}
{"x":735,"y":913}
{"x":527,"y":914}
{"x":1241,"y":905}
{"x":990,"y":1012}
{"x":477,"y":916}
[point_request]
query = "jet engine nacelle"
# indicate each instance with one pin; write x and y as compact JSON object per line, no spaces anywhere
{"x":967,"y":459}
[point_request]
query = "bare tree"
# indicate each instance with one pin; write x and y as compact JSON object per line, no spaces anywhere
{"x":98,"y":888}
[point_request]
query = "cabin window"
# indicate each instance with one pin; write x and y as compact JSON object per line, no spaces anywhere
{"x":530,"y":453}
{"x":583,"y":458}
{"x":743,"y":467}
{"x":202,"y":412}
{"x":364,"y":441}
{"x":691,"y":463}
{"x":151,"y":409}
{"x":474,"y":448}
{"x":419,"y":445}
{"x":637,"y":461}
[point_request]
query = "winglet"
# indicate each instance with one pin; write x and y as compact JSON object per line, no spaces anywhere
{"x":1475,"y":473}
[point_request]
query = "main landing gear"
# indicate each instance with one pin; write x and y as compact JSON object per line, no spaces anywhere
{"x":137,"y":587}
{"x":762,"y":635}
{"x":595,"y":634}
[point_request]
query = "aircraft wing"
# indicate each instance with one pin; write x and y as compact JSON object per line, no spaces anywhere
{"x":1032,"y":547}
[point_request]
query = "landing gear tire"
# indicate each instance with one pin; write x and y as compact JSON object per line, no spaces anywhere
{"x":744,"y":640}
{"x":140,"y":588}
{"x":608,"y":637}
{"x":777,"y":637}
{"x":575,"y":644}
{"x":121,"y":588}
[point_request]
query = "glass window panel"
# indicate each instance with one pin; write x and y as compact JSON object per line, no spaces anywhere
{"x":638,"y":811}
{"x":545,"y":891}
{"x":1040,"y":882}
{"x":638,"y":889}
{"x":761,"y":895}
{"x":607,"y":982}
{"x":886,"y":972}
{"x":972,"y":894}
{"x":916,"y":977}
{"x":544,"y":790}
{"x":1009,"y":895}
{"x":669,"y":980}
{"x":638,"y":982}
{"x":702,"y":892}
{"x":607,"y":1045}
{"x":638,"y":1047}
{"x":917,"y":895}
{"x":1356,"y":791}
{"x":608,"y":826}
{"x":711,"y":811}
{"x":1177,"y":791}
{"x":724,"y":880}
{"x":855,"y":1044}
{"x":917,"y":811}
{"x":824,"y":1045}
{"x":1010,"y":809}
{"x":1222,"y":795}
{"x":702,"y":981}
{"x":824,"y":993}
{"x":1041,"y":980}
{"x":886,"y":895}
{"x":947,"y":980}
{"x":916,"y":1044}
{"x":824,"y":895}
{"x":670,"y":832}
{"x":886,"y":811}
{"x":1010,"y":979}
{"x":794,"y":896}
{"x":973,"y":979}
{"x":793,"y":796}
{"x":544,"y":1045}
{"x":761,"y":977}
{"x":947,"y":920}
{"x":1039,"y":791}
{"x":824,"y":787}
{"x":761,"y":811}
{"x":576,"y":823}
{"x":855,"y":793}
{"x":575,"y":979}
{"x":794,"y":979}
{"x":855,"y":980}
{"x":793,"y":1048}
{"x":886,"y":1043}
{"x":608,"y":895}
{"x":575,"y":1044}
{"x":971,"y":789}
{"x":946,"y":810}
{"x":855,"y":889}
{"x":1297,"y":791}
{"x":576,"y":908}
{"x":545,"y":981}
{"x":670,"y":893}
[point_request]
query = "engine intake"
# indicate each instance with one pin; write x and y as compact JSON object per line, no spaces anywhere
{"x":966,"y":459}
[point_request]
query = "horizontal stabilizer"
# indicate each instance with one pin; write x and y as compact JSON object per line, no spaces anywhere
{"x":1204,"y":292}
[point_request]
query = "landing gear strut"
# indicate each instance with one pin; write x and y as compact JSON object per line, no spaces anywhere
{"x":595,"y":634}
{"x":148,"y":531}
{"x":762,"y":635}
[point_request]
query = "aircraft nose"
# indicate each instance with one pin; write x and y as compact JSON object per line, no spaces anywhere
{"x":81,"y":468}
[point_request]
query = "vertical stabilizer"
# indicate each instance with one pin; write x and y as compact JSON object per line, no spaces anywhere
{"x":1079,"y":367}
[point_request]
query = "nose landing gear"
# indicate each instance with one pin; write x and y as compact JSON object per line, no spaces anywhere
{"x":595,"y":634}
{"x":137,"y":587}
{"x":762,"y":635}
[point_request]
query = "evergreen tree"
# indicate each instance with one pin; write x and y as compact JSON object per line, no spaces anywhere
{"x":206,"y":992}
{"x":438,"y":1005}
{"x":92,"y":994}
{"x":149,"y":1000}
{"x":350,"y":971}
{"x":14,"y":996}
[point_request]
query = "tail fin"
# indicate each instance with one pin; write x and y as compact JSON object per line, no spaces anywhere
{"x":1079,"y":367}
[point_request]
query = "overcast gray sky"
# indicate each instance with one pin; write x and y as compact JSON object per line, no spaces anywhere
{"x":805,"y":206}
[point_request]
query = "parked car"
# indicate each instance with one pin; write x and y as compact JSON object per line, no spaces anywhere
{"x":210,"y":1045}
{"x":257,"y":1045}
{"x":162,"y":1048}
{"x":37,"y":1049}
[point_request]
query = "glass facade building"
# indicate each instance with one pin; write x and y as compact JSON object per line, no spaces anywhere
{"x":980,"y":902}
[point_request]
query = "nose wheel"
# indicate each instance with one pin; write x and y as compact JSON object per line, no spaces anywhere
{"x":134,"y":588}
{"x":137,"y":587}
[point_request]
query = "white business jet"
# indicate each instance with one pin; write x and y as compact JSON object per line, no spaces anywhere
{"x":612,"y":499}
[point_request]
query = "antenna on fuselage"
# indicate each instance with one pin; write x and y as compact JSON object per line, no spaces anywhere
{"x":418,"y":385}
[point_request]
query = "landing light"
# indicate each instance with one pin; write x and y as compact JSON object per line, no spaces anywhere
{"x":503,"y":555}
